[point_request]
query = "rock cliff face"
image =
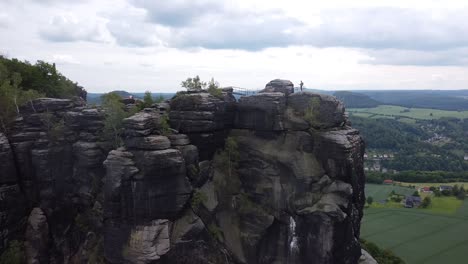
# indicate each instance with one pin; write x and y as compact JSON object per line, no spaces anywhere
{"x":204,"y":118}
{"x":275,"y":177}
{"x":295,"y":193}
{"x":53,"y":162}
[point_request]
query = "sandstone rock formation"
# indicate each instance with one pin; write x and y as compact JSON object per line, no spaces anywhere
{"x":146,"y":186}
{"x":37,"y":237}
{"x":296,"y":193}
{"x":55,"y":157}
{"x":275,"y":177}
{"x":204,"y":118}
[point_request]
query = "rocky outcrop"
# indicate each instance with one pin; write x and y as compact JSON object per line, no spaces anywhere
{"x":58,"y":155}
{"x":282,"y":86}
{"x":146,"y":188}
{"x":37,"y":237}
{"x":294,"y":194}
{"x":204,"y":118}
{"x":366,"y":258}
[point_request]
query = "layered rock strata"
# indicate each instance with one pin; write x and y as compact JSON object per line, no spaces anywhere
{"x":275,"y":177}
{"x":204,"y":118}
{"x":55,"y":166}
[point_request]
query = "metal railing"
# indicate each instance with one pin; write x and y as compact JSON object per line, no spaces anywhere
{"x":243,"y":91}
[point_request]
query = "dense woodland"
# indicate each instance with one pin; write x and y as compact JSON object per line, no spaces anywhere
{"x":409,"y":143}
{"x":444,"y":100}
{"x":356,"y":100}
{"x":21,"y":81}
{"x":415,"y":159}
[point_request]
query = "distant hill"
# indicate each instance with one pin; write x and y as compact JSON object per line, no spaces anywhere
{"x":95,"y":98}
{"x":435,"y":99}
{"x":356,"y":100}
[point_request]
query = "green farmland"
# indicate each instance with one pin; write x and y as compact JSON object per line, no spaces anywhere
{"x":404,"y":113}
{"x":381,"y":191}
{"x":419,"y":236}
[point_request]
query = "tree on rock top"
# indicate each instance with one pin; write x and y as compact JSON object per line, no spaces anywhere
{"x":194,"y":84}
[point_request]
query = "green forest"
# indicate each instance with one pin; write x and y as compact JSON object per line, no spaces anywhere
{"x":22,"y":81}
{"x":423,"y":151}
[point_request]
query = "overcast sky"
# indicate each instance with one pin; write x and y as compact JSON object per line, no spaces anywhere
{"x":139,"y":45}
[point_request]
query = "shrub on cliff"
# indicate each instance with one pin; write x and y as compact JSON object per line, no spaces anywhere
{"x":311,"y":113}
{"x":382,"y":256}
{"x":214,"y":89}
{"x":197,"y":85}
{"x":12,"y":96}
{"x":194,"y":84}
{"x":14,"y":253}
{"x":113,"y":122}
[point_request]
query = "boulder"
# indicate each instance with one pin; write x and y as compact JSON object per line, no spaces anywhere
{"x":179,"y":139}
{"x":279,"y":86}
{"x":366,"y":258}
{"x":142,"y":120}
{"x":151,"y":142}
{"x":37,"y":238}
{"x":147,"y":243}
{"x":48,"y":105}
{"x":263,"y":111}
{"x":319,"y":110}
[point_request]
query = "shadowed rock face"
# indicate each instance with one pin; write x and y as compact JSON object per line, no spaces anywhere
{"x":288,"y":188}
{"x":54,"y":162}
{"x":204,"y":118}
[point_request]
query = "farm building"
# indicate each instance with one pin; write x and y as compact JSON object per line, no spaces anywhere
{"x":425,"y":190}
{"x":445,"y":188}
{"x":412,"y":201}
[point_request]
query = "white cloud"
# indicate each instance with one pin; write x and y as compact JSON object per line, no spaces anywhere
{"x":64,"y":59}
{"x":67,"y":27}
{"x":4,"y":20}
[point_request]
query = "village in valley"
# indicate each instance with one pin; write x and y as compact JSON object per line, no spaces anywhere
{"x":373,"y":162}
{"x":394,"y":194}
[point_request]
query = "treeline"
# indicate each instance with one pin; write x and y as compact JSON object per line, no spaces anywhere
{"x":356,"y":100}
{"x":388,"y":133}
{"x":42,"y":77}
{"x":21,"y":82}
{"x":444,"y":100}
{"x":419,"y":176}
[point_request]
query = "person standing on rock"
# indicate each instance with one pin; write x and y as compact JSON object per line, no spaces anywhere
{"x":301,"y":85}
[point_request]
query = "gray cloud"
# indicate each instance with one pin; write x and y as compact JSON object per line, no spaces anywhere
{"x":392,"y":36}
{"x":69,"y":29}
{"x":247,"y":31}
{"x":126,"y":35}
{"x":381,"y":28}
{"x":209,"y":25}
{"x":177,"y":13}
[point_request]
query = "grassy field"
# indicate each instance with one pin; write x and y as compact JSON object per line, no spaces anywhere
{"x":444,"y":205}
{"x":381,"y":191}
{"x":407,"y":114}
{"x":420,"y":235}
